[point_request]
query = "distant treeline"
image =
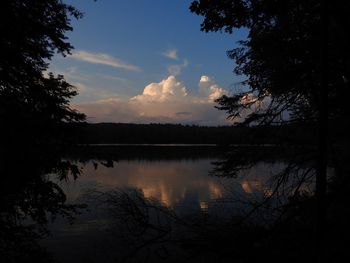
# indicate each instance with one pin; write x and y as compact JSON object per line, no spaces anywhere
{"x":114,"y":133}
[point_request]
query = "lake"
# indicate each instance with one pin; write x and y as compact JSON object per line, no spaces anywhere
{"x":168,"y":189}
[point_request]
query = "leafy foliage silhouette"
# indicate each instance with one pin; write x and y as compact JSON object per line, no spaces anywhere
{"x":34,"y":113}
{"x":297,"y":71}
{"x":283,"y":56}
{"x":34,"y":103}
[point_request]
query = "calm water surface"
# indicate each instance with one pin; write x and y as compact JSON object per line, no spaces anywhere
{"x":183,"y":185}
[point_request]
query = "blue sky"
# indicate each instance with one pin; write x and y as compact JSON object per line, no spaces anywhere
{"x":123,"y":46}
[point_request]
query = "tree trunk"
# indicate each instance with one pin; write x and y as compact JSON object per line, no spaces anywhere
{"x":321,"y":172}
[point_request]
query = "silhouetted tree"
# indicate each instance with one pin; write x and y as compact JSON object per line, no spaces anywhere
{"x":34,"y":103}
{"x":295,"y":61}
{"x":29,"y":199}
{"x":34,"y":113}
{"x":283,"y":56}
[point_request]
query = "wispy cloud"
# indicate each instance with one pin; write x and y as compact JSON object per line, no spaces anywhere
{"x":103,"y":59}
{"x":176,"y":69}
{"x":113,"y":78}
{"x":171,"y":53}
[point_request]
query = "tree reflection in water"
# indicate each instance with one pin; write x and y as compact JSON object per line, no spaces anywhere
{"x":29,"y":200}
{"x":276,"y":222}
{"x":293,"y":181}
{"x":145,"y":228}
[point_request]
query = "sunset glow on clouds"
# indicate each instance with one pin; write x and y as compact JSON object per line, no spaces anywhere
{"x":166,"y":101}
{"x":153,"y":66}
{"x":169,"y":89}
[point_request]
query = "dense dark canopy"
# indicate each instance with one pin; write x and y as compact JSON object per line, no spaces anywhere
{"x":290,"y":46}
{"x":34,"y":113}
{"x":297,"y":69}
{"x":34,"y":101}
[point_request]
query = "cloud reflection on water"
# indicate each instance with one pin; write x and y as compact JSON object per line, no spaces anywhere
{"x":174,"y":183}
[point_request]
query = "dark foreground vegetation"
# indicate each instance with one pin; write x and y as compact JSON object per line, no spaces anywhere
{"x":279,"y":227}
{"x":296,"y":61}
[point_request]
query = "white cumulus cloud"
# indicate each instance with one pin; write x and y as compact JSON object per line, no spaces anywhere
{"x":167,"y":101}
{"x":209,"y":89}
{"x":103,"y":59}
{"x":169,"y":89}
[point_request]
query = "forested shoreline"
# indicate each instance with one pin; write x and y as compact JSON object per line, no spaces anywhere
{"x":124,"y":133}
